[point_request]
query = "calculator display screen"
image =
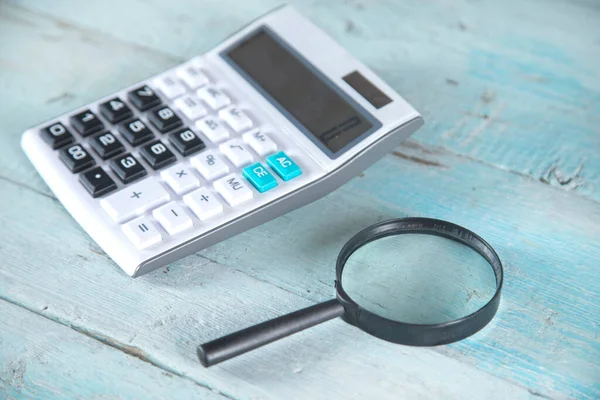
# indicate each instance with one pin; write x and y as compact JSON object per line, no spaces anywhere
{"x":303,"y":94}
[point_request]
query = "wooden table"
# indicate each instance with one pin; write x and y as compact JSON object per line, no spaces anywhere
{"x":510,"y":91}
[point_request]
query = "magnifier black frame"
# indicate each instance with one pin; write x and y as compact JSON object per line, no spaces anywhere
{"x":418,"y":334}
{"x":253,"y":337}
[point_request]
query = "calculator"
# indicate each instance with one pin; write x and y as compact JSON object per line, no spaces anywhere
{"x":273,"y":118}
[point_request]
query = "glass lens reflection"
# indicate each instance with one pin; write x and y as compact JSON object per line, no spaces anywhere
{"x":418,"y":278}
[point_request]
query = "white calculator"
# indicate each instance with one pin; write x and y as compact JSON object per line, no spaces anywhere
{"x":275,"y":117}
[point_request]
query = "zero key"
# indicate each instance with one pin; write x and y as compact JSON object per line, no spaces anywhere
{"x":57,"y":135}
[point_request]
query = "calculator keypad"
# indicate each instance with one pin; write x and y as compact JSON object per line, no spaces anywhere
{"x":143,"y":98}
{"x":210,"y":164}
{"x":191,"y":107}
{"x":173,"y":217}
{"x":142,"y":232}
{"x":137,"y":198}
{"x":57,"y":136}
{"x":164,"y":119}
{"x":114,"y":110}
{"x":97,"y":182}
{"x":76,"y":158}
{"x":236,"y":119}
{"x":127,"y":168}
{"x":180,"y":178}
{"x":193,"y":76}
{"x":233,"y":189}
{"x":106,"y":145}
{"x":212,"y":128}
{"x":186,"y":142}
{"x":86,"y":123}
{"x":237,"y":152}
{"x":260,"y":142}
{"x":135,"y":132}
{"x":170,"y":86}
{"x":203,"y":203}
{"x":260,"y":177}
{"x":157,"y":154}
{"x":214,"y":97}
{"x":167,"y":126}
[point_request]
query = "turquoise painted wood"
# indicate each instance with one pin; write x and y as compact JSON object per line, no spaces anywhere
{"x":43,"y":360}
{"x":510,"y":92}
{"x":509,"y":83}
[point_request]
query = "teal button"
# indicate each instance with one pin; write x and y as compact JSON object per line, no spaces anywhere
{"x":285,"y":167}
{"x":260,"y":177}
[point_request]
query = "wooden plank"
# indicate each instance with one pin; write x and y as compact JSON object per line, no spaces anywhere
{"x":511,"y":83}
{"x":40,"y":359}
{"x":162,"y":317}
{"x":69,"y":68}
{"x":544,"y":339}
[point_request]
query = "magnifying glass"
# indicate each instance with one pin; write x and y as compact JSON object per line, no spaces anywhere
{"x":411,"y":281}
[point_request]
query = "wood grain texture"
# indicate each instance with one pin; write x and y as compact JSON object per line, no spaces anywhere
{"x":40,"y":359}
{"x":511,"y":83}
{"x":545,"y":340}
{"x":545,"y":337}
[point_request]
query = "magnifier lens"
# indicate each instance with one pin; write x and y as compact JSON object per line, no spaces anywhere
{"x":411,"y":281}
{"x":418,"y":278}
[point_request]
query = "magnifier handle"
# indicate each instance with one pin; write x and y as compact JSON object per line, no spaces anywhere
{"x":240,"y":342}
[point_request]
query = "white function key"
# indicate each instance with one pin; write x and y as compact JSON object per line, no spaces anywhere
{"x":173,"y":217}
{"x":134,"y":199}
{"x":193,"y":76}
{"x":203,"y":203}
{"x":210,"y":165}
{"x":190,"y":106}
{"x":237,"y":152}
{"x":233,"y":189}
{"x":142,"y":232}
{"x":213,"y":129}
{"x":170,"y":86}
{"x":260,"y":142}
{"x":238,"y":120}
{"x":214,"y":97}
{"x":180,"y":178}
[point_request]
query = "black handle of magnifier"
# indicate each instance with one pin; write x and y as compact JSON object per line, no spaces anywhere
{"x":240,"y":342}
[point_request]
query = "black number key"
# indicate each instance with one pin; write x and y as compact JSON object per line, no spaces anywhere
{"x":186,"y":142}
{"x":135,"y":132}
{"x":164,"y":119}
{"x":107,"y":145}
{"x":127,"y":168}
{"x":143,"y":98}
{"x":86,"y":123}
{"x":57,"y":135}
{"x":97,"y":182}
{"x":76,"y":158}
{"x":157,"y":154}
{"x":115,"y":110}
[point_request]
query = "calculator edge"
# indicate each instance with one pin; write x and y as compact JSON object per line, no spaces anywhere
{"x":333,"y":61}
{"x":135,"y":264}
{"x":299,"y":198}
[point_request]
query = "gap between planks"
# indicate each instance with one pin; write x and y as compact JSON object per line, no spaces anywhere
{"x":420,"y":159}
{"x":133,"y":351}
{"x":144,"y":356}
{"x":545,"y":178}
